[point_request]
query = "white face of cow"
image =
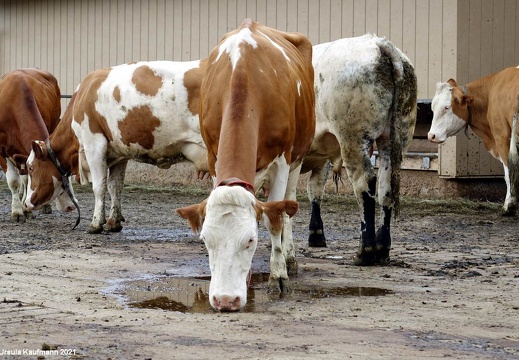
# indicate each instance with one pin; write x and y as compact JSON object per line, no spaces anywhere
{"x":44,"y":185}
{"x":445,"y":122}
{"x":230,"y":233}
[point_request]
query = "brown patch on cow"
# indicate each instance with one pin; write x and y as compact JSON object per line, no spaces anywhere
{"x":85,"y":101}
{"x":117,"y":94}
{"x":138,"y":126}
{"x":145,"y":81}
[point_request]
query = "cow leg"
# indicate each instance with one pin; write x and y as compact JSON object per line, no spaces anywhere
{"x":95,"y":152}
{"x":366,"y":253}
{"x":315,"y":189}
{"x":287,"y":240}
{"x":386,"y":201}
{"x":15,"y":184}
{"x":363,"y":179}
{"x":278,"y":279}
{"x":510,"y":205}
{"x":115,"y":188}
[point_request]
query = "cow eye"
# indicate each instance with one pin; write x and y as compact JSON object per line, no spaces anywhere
{"x":447,"y":107}
{"x":250,"y":243}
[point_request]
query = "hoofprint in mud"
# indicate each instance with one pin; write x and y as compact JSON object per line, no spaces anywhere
{"x":454,"y":278}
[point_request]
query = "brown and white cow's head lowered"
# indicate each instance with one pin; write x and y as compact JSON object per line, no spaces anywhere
{"x":230,"y":218}
{"x":45,"y":183}
{"x":451,"y":108}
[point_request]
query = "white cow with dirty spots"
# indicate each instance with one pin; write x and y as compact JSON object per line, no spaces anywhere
{"x":145,"y":111}
{"x":490,"y":107}
{"x":365,"y":90}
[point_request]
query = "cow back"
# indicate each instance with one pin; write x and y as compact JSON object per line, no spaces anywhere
{"x":257,"y":99}
{"x":30,"y":101}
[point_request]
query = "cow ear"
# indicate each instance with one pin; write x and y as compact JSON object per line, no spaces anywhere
{"x":20,"y":159}
{"x":467,"y":100}
{"x":452,"y":82}
{"x":21,"y":163}
{"x":275,"y":209}
{"x":40,"y":151}
{"x":194,"y":214}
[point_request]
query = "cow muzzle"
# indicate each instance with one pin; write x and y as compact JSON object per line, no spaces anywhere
{"x":226,"y":303}
{"x":434,"y":138}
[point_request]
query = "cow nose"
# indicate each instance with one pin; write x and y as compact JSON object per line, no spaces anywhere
{"x":226,"y":303}
{"x":70,"y":208}
{"x":431,"y":136}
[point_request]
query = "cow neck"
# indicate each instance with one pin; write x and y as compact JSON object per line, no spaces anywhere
{"x":65,"y":146}
{"x":237,"y":149}
{"x":65,"y":174}
{"x":469,"y":108}
{"x":478,"y":110}
{"x":237,"y":182}
{"x":55,"y":160}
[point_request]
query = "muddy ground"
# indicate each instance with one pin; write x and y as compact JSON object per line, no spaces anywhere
{"x":451,"y":290}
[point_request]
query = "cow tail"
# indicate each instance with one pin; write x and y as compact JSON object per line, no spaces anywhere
{"x":513,"y":155}
{"x":403,"y":113}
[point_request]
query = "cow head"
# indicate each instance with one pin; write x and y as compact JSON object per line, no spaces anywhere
{"x":451,"y":111}
{"x":45,"y":182}
{"x":228,"y":224}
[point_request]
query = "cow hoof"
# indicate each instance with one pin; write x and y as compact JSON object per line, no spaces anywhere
{"x":382,"y":256}
{"x":316,"y":239}
{"x":291,"y":266}
{"x":383,"y":245}
{"x":28,"y":215}
{"x":47,"y":209}
{"x":112,"y":226}
{"x":95,"y":230}
{"x":509,"y":212}
{"x":278,"y":285}
{"x":365,"y":258}
{"x":18,"y":218}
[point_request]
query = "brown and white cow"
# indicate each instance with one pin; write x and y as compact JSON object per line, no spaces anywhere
{"x":30,"y":108}
{"x":365,"y":94}
{"x":145,"y":111}
{"x":257,"y":119}
{"x":489,"y":106}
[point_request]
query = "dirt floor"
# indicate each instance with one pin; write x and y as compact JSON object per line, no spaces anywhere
{"x":451,"y":290}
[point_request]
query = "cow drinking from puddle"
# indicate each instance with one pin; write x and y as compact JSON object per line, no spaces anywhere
{"x":146,"y":111}
{"x":257,"y":119}
{"x":490,"y":107}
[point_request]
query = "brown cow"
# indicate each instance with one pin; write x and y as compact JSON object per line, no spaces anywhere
{"x":489,"y":106}
{"x":29,"y":109}
{"x":257,"y":119}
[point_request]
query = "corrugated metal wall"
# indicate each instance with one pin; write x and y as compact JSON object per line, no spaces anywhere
{"x":73,"y":37}
{"x":464,"y":39}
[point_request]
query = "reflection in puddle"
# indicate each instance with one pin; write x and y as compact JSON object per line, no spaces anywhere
{"x":191,"y":295}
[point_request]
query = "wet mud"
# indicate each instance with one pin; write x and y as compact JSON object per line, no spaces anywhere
{"x":450,"y":290}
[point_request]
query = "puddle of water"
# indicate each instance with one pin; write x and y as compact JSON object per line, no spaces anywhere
{"x":191,"y":294}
